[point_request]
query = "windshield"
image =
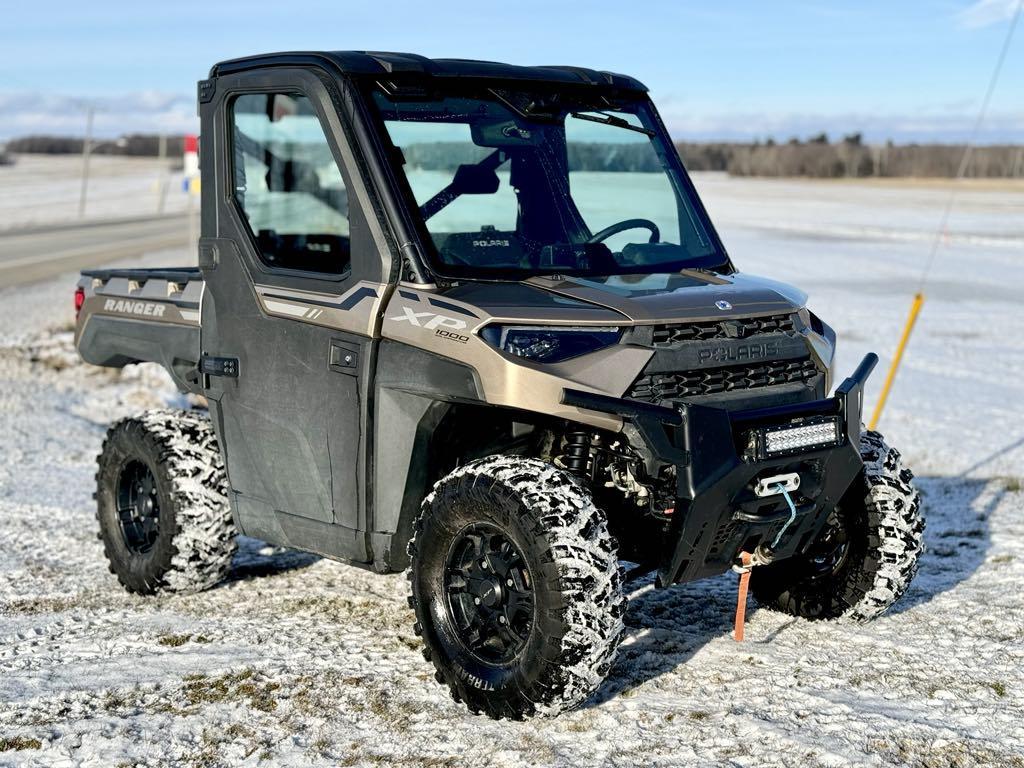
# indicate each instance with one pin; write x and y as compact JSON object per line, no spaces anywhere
{"x":517,"y":184}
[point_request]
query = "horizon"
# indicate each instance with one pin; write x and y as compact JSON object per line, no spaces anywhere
{"x":914,"y":73}
{"x":756,"y":141}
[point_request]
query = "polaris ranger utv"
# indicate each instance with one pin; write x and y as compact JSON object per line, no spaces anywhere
{"x":472,"y":320}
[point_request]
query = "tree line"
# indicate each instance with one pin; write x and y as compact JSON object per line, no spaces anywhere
{"x":851,"y":158}
{"x":133,"y":145}
{"x":448,"y":155}
{"x":817,"y":157}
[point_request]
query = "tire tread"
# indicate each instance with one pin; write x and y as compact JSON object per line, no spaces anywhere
{"x":185,"y":447}
{"x":558,"y":509}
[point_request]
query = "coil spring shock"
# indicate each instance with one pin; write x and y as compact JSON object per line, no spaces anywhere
{"x":576,"y":458}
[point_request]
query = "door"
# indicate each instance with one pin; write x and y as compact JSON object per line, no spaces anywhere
{"x":287,"y":297}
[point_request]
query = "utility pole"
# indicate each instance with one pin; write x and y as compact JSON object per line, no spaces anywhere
{"x":163,"y":180}
{"x":86,"y":151}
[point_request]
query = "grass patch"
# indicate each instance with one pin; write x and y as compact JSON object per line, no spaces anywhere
{"x":580,"y":724}
{"x":999,"y":688}
{"x":37,"y":605}
{"x":372,"y":614}
{"x":244,"y":687}
{"x":176,"y":641}
{"x":214,"y":740}
{"x":356,"y":694}
{"x":15,"y":743}
{"x":1013,"y":484}
{"x":942,"y":754}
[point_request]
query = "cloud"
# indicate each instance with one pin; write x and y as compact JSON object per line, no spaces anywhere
{"x":24,"y":112}
{"x":984,"y":13}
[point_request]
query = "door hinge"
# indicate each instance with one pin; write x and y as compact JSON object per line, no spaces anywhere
{"x":205,"y":90}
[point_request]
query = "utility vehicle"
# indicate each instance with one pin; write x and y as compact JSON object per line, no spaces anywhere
{"x":472,"y":320}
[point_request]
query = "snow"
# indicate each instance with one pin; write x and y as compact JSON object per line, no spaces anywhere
{"x":44,"y":189}
{"x":299,"y":661}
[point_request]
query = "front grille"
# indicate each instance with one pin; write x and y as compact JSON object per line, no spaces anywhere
{"x":654,"y":388}
{"x":667,"y":335}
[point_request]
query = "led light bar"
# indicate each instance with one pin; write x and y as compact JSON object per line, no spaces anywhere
{"x":780,"y":440}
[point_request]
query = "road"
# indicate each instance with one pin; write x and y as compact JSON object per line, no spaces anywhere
{"x":31,"y":254}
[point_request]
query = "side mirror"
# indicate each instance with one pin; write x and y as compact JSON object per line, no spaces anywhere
{"x":472,"y":179}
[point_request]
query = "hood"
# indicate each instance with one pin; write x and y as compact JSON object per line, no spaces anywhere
{"x":681,"y":296}
{"x":523,"y":302}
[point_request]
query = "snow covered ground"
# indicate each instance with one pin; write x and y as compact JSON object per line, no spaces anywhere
{"x":299,"y":661}
{"x":45,"y":189}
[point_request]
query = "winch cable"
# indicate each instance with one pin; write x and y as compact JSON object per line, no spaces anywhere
{"x":942,"y":232}
{"x":747,"y":563}
{"x":792,"y":515}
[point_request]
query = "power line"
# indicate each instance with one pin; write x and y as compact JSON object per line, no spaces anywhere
{"x":918,"y":302}
{"x":969,"y":148}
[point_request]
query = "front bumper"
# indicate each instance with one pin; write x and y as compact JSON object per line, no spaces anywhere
{"x":717,"y":513}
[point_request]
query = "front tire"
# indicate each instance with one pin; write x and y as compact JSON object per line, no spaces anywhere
{"x":162,"y":503}
{"x":516,"y":587}
{"x":865,"y":559}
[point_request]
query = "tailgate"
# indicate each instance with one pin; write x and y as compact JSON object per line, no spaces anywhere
{"x":141,"y":315}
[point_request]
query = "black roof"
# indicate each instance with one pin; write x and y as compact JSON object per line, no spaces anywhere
{"x":374,"y":63}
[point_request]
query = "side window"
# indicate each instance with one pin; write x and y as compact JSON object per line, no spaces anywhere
{"x":288,"y":185}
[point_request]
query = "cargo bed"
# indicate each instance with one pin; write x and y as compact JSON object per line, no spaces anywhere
{"x":141,"y":315}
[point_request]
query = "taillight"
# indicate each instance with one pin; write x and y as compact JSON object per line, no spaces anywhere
{"x":79,"y":301}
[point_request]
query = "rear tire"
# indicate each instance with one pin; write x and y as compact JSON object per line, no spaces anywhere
{"x":868,"y":556}
{"x":162,"y":503}
{"x":516,"y":587}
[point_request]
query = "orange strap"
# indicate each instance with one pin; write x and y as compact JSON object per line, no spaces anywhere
{"x":741,"y":600}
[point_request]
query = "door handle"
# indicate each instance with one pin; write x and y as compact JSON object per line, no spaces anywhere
{"x":219,"y":366}
{"x":344,"y":357}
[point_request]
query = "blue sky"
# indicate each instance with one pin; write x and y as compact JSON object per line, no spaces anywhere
{"x":901,"y":70}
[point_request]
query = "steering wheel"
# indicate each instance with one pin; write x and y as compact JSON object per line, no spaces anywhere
{"x":622,"y":226}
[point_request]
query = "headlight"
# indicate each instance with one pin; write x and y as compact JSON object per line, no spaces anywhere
{"x":547,"y":344}
{"x":823,"y":340}
{"x":821,"y":328}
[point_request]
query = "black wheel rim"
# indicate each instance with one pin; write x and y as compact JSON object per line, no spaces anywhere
{"x":489,"y":594}
{"x":828,"y":552}
{"x":138,"y":507}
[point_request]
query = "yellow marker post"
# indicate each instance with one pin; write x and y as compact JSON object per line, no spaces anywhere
{"x":915,"y":310}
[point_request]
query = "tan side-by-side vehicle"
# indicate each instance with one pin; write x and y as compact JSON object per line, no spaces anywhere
{"x":471,"y":320}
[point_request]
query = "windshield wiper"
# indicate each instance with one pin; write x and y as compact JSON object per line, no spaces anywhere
{"x":606,"y":119}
